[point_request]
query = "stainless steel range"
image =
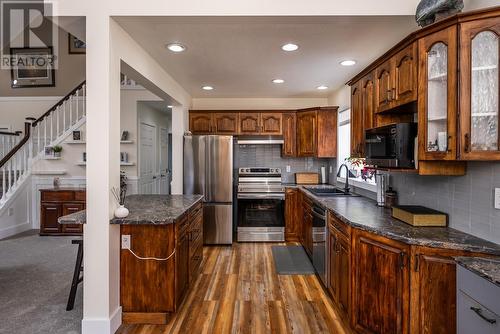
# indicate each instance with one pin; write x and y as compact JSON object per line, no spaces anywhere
{"x":261,"y":205}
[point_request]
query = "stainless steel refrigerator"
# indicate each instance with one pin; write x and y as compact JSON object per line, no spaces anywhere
{"x":208,"y":170}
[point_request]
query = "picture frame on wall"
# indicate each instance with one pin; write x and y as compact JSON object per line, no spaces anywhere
{"x":76,"y":46}
{"x":77,"y":135}
{"x":124,"y":136}
{"x":33,"y":67}
{"x":48,"y":151}
{"x":84,"y":157}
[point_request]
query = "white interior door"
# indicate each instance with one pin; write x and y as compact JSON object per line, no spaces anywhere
{"x":164,"y":172}
{"x":147,"y":158}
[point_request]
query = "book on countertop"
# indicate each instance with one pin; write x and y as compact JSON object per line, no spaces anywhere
{"x":417,"y":215}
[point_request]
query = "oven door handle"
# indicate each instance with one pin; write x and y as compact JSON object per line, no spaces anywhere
{"x":261,"y":196}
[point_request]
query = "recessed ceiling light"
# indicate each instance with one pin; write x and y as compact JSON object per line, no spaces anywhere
{"x":322,"y":87}
{"x":290,"y":47}
{"x":278,"y":81}
{"x":348,"y":62}
{"x":207,"y":88}
{"x":176,"y":47}
{"x":170,"y":107}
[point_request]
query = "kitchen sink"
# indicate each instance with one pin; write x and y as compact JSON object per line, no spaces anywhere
{"x":329,"y":192}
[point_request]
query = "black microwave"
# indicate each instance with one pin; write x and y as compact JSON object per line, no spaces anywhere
{"x":391,"y":145}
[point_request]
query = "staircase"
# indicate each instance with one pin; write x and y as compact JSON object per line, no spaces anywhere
{"x":17,"y":153}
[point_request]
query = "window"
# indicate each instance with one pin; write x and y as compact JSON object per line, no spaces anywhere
{"x":358,"y":175}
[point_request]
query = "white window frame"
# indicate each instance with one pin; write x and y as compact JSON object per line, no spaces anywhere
{"x":341,"y":180}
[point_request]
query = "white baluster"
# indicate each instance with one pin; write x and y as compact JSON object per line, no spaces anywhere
{"x":57,"y":121}
{"x":70,"y":113}
{"x":51,"y":127}
{"x":44,"y":132}
{"x":84,"y":98}
{"x":77,"y":103}
{"x":10,"y":175}
{"x":64,"y":115}
{"x":4,"y":185}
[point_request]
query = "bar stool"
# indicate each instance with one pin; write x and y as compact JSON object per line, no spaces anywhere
{"x":77,"y":279}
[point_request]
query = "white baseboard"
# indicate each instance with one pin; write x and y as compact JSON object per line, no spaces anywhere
{"x":15,"y":229}
{"x":103,"y":325}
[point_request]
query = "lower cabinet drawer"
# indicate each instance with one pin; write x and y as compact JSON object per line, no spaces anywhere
{"x":473,"y":317}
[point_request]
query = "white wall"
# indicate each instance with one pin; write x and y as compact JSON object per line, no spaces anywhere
{"x":14,"y":215}
{"x":70,"y":73}
{"x":341,"y":97}
{"x":256,"y":103}
{"x":14,"y":109}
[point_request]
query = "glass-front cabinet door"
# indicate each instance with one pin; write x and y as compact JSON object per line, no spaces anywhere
{"x":437,"y":95}
{"x":479,"y":91}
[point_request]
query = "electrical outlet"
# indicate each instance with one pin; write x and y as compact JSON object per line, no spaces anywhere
{"x":331,"y":169}
{"x":126,"y":241}
{"x":10,"y":212}
{"x":497,"y":198}
{"x":288,"y":169}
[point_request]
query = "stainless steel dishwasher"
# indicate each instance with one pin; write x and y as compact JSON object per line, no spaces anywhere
{"x":319,"y":237}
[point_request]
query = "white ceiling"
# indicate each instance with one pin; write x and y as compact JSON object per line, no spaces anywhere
{"x":240,"y":56}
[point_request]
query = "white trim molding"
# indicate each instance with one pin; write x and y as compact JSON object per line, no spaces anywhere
{"x":103,"y":325}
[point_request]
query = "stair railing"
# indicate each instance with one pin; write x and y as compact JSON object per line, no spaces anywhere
{"x":38,"y":133}
{"x":15,"y":164}
{"x":7,"y":141}
{"x":59,"y":118}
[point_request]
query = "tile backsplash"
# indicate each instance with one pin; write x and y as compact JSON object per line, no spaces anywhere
{"x":467,"y":199}
{"x":270,"y":156}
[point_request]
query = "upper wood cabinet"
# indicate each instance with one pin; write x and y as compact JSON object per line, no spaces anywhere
{"x":289,"y":135}
{"x":357,"y":128}
{"x":306,"y":133}
{"x":317,"y":132}
{"x":265,"y":123}
{"x":437,"y":95}
{"x":479,"y":89}
{"x":249,"y":123}
{"x":271,"y":123}
{"x":225,"y":123}
{"x":396,"y":80}
{"x":201,"y":122}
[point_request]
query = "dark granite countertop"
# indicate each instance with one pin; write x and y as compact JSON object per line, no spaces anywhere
{"x":364,"y":214}
{"x":484,"y":267}
{"x":79,"y":217}
{"x":156,"y":209}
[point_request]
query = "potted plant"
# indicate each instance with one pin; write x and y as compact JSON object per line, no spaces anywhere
{"x":57,"y":151}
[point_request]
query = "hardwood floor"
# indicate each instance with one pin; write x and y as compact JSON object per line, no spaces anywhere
{"x":239,"y":291}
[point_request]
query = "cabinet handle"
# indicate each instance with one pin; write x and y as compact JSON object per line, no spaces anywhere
{"x":479,"y":312}
{"x":402,"y":260}
{"x":448,"y":144}
{"x":417,"y":263}
{"x":389,"y":95}
{"x":467,"y":142}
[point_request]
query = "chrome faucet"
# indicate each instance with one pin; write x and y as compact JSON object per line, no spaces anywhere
{"x":346,"y":186}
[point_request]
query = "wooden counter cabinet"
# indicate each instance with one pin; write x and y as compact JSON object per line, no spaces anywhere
{"x":55,"y":203}
{"x":292,"y":215}
{"x":163,"y":283}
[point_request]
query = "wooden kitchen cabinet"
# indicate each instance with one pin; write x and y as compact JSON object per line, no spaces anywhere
{"x":307,"y":221}
{"x":225,"y":123}
{"x":437,"y":95}
{"x":292,"y":218}
{"x":396,"y":80}
{"x":249,"y":123}
{"x":260,"y":123}
{"x":317,"y":132}
{"x":339,"y":255}
{"x":55,"y":203}
{"x":201,"y":122}
{"x":479,"y":89}
{"x":381,"y":285}
{"x":271,"y":123}
{"x":306,"y":130}
{"x":357,"y":128}
{"x":163,"y":284}
{"x":289,"y":135}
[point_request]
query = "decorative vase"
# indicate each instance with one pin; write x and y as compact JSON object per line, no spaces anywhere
{"x":57,"y":154}
{"x":121,"y":212}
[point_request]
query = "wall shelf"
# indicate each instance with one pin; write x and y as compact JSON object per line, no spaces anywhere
{"x":51,"y":158}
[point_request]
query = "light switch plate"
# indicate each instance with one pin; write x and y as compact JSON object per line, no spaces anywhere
{"x":331,"y":169}
{"x":497,"y":198}
{"x":288,"y":169}
{"x":126,"y":241}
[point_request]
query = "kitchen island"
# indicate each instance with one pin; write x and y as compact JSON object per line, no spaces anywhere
{"x":162,"y":249}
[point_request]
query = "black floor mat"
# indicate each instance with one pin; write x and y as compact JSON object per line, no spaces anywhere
{"x":291,"y":260}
